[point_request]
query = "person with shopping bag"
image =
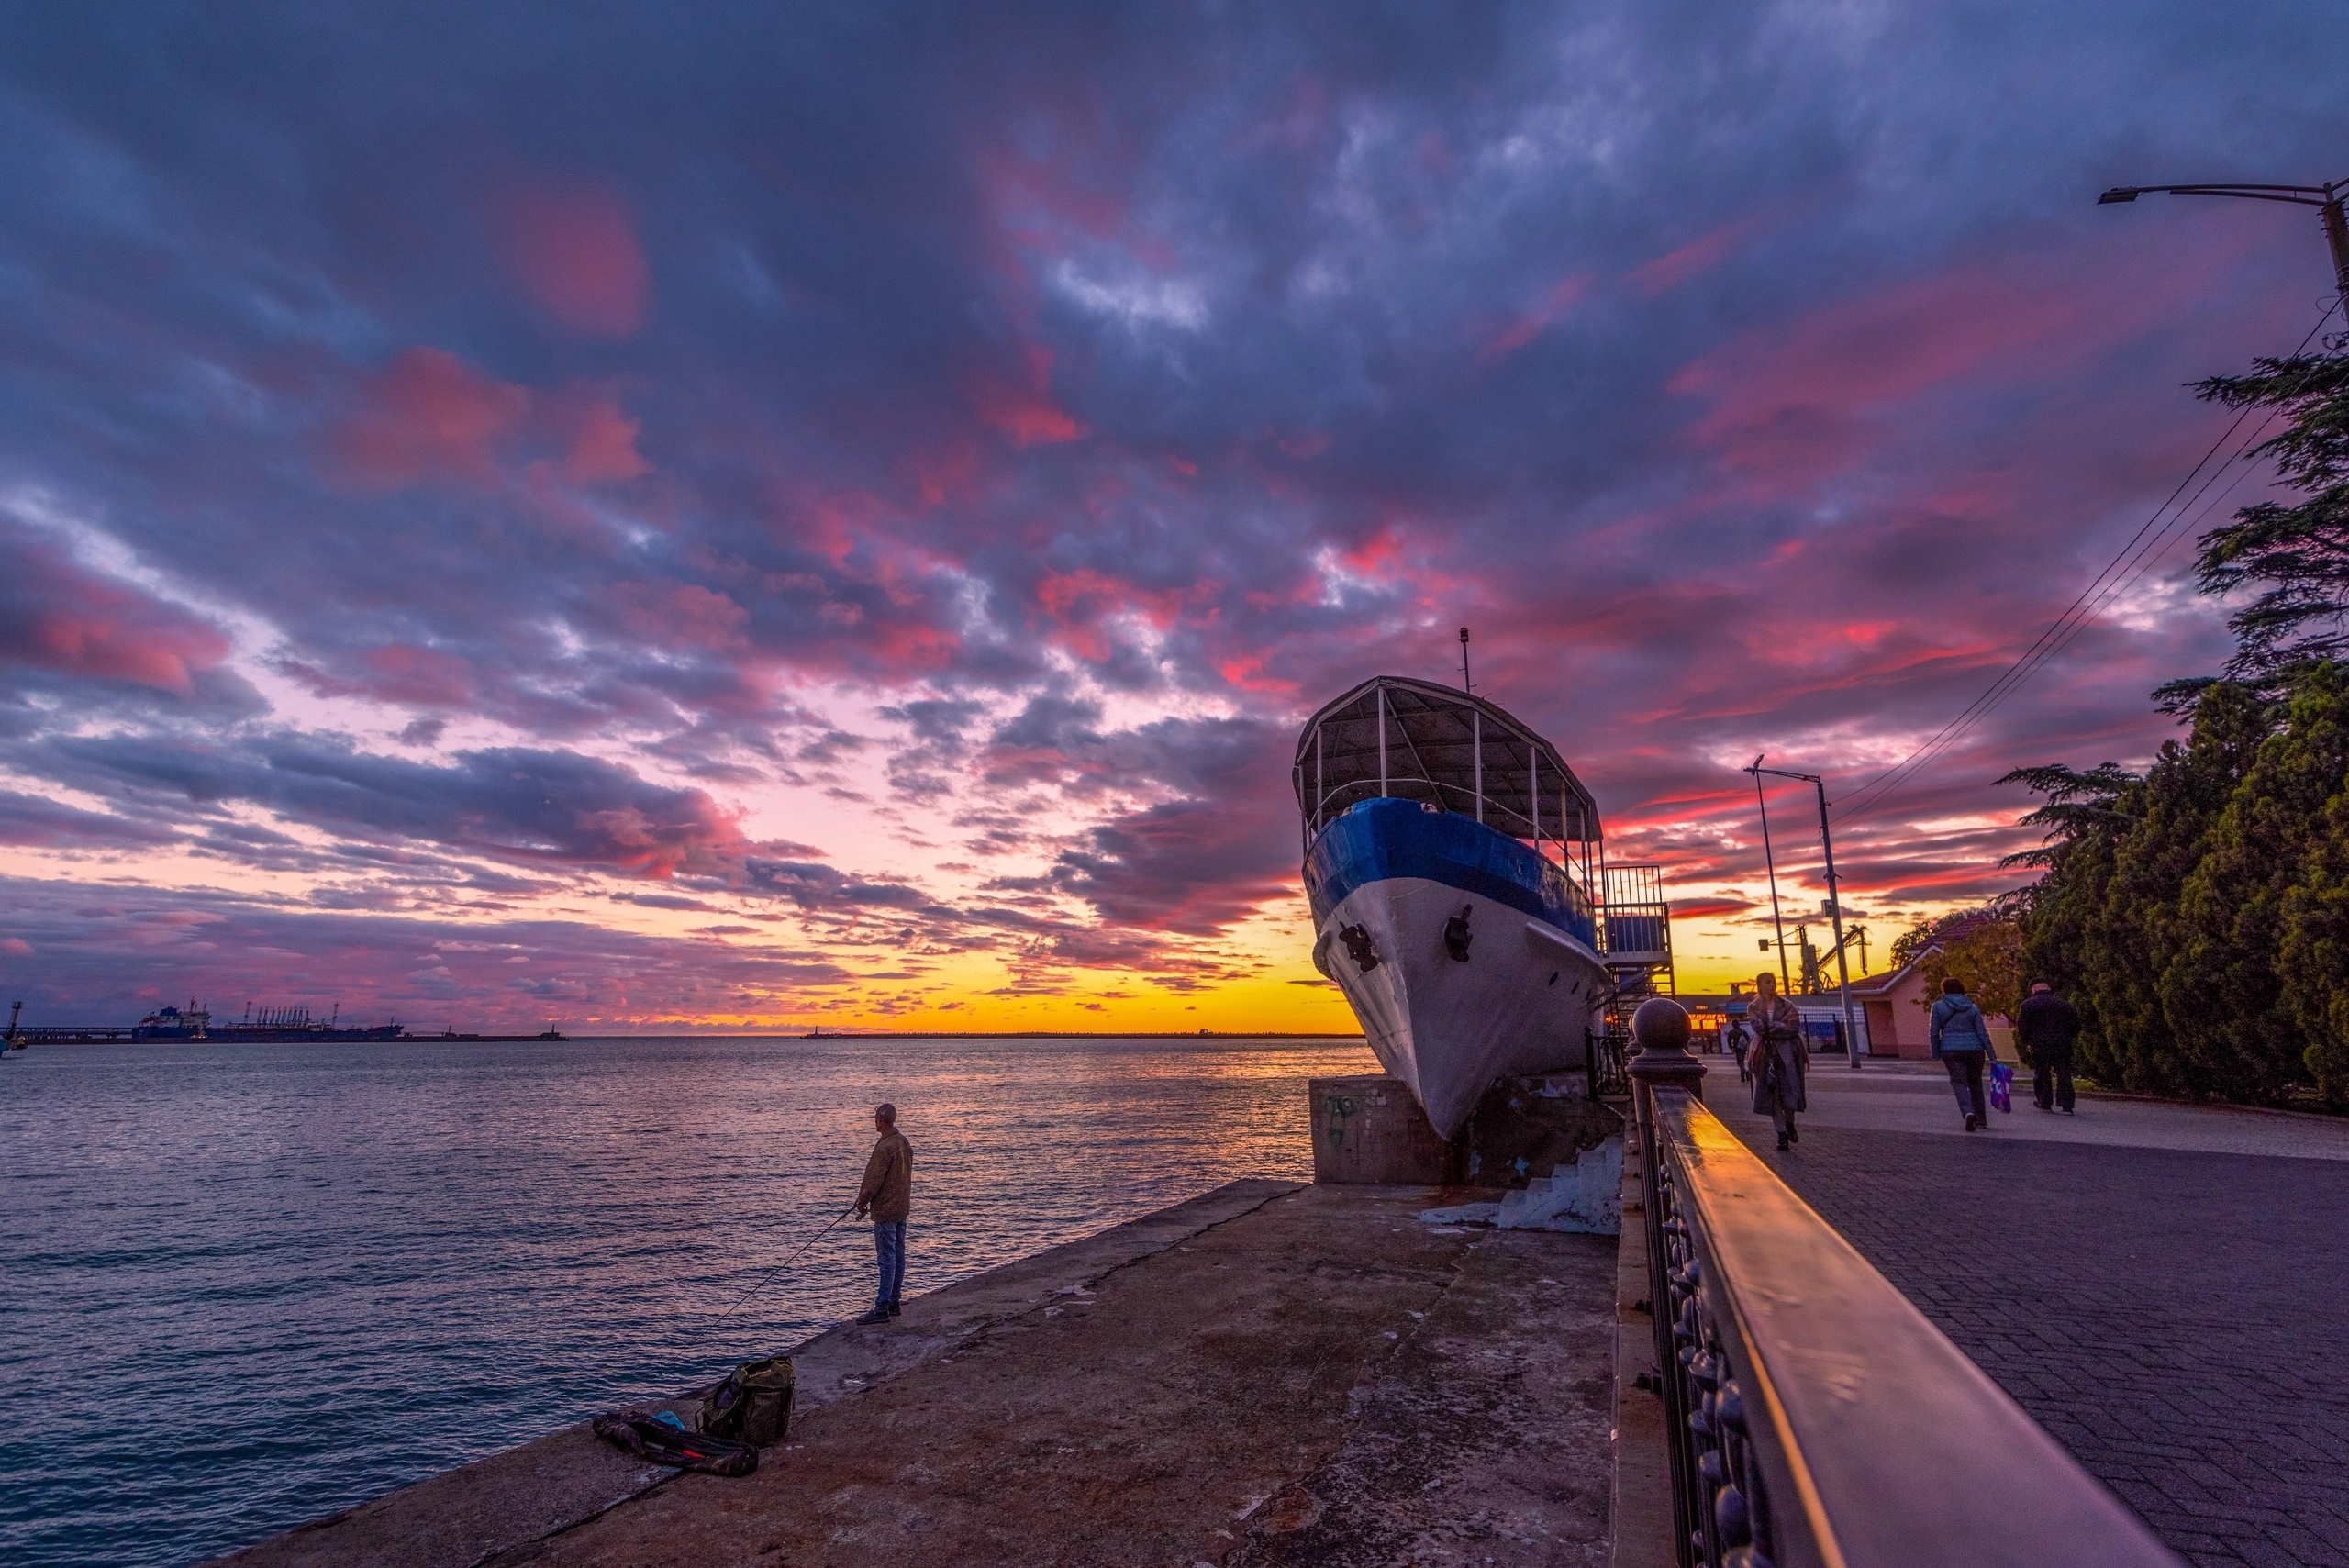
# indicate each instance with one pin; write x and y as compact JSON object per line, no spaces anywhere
{"x":1779,"y":1057}
{"x":1961,"y":1038}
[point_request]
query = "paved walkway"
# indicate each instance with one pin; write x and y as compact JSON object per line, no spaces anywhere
{"x":2166,"y":1288}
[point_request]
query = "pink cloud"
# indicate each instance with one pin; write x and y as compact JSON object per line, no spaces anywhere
{"x":599,"y":442}
{"x":1700,"y":255}
{"x":575,"y":250}
{"x":1792,"y":403}
{"x":57,"y":616}
{"x":1029,"y":419}
{"x":396,"y":672}
{"x":1024,"y":409}
{"x":430,"y":414}
{"x":669,"y":614}
{"x":1536,"y":321}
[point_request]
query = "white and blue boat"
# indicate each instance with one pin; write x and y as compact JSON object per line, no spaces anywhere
{"x":1442,"y":840}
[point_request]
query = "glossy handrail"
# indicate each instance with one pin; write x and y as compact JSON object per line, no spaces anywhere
{"x":1877,"y":1441}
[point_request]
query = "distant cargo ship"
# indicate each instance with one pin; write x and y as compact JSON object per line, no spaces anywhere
{"x":195,"y":1024}
{"x":269,"y":1023}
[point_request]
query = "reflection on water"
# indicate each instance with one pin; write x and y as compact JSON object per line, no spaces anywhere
{"x":243,"y":1286}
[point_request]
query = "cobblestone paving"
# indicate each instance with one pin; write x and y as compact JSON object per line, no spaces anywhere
{"x":2178,"y":1319}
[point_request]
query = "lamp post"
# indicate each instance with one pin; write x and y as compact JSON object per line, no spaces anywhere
{"x":1777,"y":923}
{"x":2325,"y":198}
{"x":1834,"y":900}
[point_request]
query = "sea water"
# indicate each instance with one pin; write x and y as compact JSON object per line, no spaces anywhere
{"x":245,"y":1286}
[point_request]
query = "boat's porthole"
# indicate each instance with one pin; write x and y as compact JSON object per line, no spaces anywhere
{"x":1553,"y":977}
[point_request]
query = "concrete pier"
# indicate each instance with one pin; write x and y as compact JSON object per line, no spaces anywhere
{"x":1265,"y":1374}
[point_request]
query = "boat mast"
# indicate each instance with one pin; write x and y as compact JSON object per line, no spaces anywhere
{"x":1477,"y":739}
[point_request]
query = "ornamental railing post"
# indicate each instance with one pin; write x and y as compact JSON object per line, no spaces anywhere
{"x":1660,"y":1030}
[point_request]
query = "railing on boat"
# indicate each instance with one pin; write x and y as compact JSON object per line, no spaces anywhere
{"x":1635,"y":925}
{"x":1813,"y":1416}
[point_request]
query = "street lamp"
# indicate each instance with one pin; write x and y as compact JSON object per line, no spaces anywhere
{"x":1834,"y":898}
{"x":1777,"y":926}
{"x":2327,"y":198}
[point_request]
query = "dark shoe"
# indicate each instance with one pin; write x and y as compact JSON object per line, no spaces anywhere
{"x":1969,"y":1121}
{"x":895,"y":1309}
{"x":1794,"y":1135}
{"x":878,"y":1315}
{"x":1782,"y":1142}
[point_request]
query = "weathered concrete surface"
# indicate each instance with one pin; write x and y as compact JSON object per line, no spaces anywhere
{"x":474,"y":1514}
{"x":1265,"y":1375}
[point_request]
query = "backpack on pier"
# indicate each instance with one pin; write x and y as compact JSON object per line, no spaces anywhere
{"x":751,"y":1404}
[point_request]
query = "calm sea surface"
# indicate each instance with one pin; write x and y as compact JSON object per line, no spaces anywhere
{"x":245,"y":1286}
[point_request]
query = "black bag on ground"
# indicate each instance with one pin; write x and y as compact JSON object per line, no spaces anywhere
{"x":663,"y":1444}
{"x":752,"y":1403}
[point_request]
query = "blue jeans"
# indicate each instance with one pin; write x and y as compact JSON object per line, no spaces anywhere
{"x":889,"y":1248}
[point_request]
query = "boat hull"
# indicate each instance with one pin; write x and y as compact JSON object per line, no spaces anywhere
{"x":1466,"y":957}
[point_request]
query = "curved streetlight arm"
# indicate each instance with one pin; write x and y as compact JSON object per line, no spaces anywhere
{"x":2303,"y":196}
{"x":2326,"y":199}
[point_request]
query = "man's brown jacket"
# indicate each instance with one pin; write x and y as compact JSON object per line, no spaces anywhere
{"x":888,"y":1183}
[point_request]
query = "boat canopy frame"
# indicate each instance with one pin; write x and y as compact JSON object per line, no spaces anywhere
{"x":1404,"y":739}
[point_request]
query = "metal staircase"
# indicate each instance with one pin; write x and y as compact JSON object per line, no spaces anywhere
{"x":1635,"y":943}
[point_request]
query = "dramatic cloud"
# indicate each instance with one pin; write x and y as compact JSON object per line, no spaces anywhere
{"x":883,"y":490}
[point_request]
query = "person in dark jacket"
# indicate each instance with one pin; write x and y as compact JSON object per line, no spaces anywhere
{"x":887,"y":1193}
{"x":2046,"y":1027}
{"x":1962,"y":1040}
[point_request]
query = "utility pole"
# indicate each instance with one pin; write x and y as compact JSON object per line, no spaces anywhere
{"x":1465,"y":685}
{"x":2325,"y":198}
{"x":1785,"y":987}
{"x":1834,"y":898}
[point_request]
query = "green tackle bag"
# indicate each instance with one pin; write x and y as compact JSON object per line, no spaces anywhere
{"x":751,"y":1404}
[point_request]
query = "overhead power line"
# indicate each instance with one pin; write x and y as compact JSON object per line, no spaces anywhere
{"x":2138,"y":555}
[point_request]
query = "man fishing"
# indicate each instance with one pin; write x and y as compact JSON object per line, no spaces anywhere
{"x":887,"y":1193}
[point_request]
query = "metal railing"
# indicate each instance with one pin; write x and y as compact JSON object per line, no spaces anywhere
{"x":1603,"y":1053}
{"x":1814,"y":1418}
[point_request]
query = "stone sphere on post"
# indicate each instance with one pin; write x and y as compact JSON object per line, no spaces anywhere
{"x":1660,"y":1024}
{"x":1661,"y":1027}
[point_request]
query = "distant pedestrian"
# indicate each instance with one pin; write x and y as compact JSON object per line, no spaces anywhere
{"x":1779,"y":1057}
{"x":887,"y":1192}
{"x":2047,"y":1026}
{"x":1962,"y":1040}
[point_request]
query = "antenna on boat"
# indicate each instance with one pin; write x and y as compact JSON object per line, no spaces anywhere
{"x":1465,"y":685}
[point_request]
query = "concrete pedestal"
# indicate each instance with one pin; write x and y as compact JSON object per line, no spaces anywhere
{"x":1369,"y":1132}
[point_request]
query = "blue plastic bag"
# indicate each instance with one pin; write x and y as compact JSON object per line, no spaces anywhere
{"x":2002,"y":1084}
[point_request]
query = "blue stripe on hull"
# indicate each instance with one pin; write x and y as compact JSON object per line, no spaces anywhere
{"x":1382,"y":838}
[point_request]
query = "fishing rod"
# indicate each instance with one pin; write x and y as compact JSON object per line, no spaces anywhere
{"x":794,"y":1257}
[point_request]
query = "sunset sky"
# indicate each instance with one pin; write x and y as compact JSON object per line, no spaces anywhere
{"x":785,"y":516}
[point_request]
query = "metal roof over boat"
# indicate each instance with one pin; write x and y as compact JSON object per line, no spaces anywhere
{"x":1415,"y":739}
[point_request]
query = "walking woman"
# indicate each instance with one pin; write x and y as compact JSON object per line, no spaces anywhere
{"x":1962,"y":1040}
{"x":1780,"y":1058}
